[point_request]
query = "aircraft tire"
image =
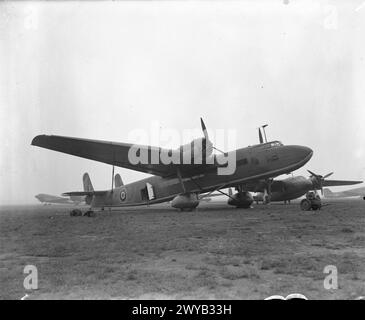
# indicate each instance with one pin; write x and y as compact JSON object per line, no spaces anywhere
{"x":75,"y":213}
{"x":305,"y":205}
{"x":89,"y":214}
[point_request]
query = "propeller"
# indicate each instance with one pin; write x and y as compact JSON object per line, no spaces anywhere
{"x":317,"y":180}
{"x":204,"y":128}
{"x":206,"y":142}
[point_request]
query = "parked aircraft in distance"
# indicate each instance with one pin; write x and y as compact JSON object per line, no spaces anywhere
{"x":178,"y":181}
{"x":358,"y":192}
{"x":50,"y":199}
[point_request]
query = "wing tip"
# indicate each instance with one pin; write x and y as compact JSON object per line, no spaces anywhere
{"x":37,"y":140}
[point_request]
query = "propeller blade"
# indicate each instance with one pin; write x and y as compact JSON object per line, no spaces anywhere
{"x":204,"y":128}
{"x":327,"y":175}
{"x":312,"y":173}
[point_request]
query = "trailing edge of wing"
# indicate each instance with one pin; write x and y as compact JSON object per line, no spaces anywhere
{"x":333,"y":183}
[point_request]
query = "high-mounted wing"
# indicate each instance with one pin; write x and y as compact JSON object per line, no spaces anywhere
{"x":333,"y":183}
{"x":261,"y":185}
{"x":115,"y":153}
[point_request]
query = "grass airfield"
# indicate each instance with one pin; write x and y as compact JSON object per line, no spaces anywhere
{"x":216,"y":252}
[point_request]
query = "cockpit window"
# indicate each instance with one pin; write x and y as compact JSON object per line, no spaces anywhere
{"x":276,"y":144}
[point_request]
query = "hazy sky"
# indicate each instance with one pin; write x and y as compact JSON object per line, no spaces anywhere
{"x":102,"y":69}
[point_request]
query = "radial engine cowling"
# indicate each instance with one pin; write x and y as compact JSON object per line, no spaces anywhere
{"x":185,"y":201}
{"x":241,"y":200}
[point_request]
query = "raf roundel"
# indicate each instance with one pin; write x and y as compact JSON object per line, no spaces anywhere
{"x":123,"y":195}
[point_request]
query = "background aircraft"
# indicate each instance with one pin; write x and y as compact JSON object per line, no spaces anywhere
{"x":295,"y":187}
{"x":180,"y":182}
{"x":358,"y":192}
{"x":50,"y":199}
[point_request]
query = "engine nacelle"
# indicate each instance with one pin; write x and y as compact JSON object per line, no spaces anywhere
{"x":185,"y":201}
{"x":241,"y":200}
{"x":196,"y":151}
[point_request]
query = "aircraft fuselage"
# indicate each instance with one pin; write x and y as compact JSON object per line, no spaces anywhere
{"x":257,"y":162}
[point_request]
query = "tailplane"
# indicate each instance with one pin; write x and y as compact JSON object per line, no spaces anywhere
{"x":328,"y":193}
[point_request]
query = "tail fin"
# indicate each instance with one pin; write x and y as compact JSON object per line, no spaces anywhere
{"x":118,"y":181}
{"x":88,"y":187}
{"x":327,"y":193}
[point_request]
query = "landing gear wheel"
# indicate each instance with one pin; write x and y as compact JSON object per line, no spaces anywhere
{"x":76,"y":213}
{"x":305,"y":205}
{"x":89,"y":214}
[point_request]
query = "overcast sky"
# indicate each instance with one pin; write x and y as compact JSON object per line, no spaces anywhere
{"x":100,"y":70}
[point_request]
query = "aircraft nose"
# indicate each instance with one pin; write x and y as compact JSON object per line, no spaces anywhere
{"x":303,"y":153}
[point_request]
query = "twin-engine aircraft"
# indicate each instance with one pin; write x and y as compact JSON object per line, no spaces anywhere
{"x":50,"y":199}
{"x":182,"y":175}
{"x":295,"y":187}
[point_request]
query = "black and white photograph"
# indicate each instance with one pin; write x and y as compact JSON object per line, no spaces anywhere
{"x":206,"y":151}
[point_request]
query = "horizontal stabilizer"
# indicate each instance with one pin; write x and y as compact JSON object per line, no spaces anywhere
{"x":84,"y":193}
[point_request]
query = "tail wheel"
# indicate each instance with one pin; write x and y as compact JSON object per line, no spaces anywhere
{"x":89,"y":213}
{"x":305,"y":205}
{"x":76,"y":213}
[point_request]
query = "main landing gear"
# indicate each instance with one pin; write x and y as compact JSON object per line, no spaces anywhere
{"x":312,"y":201}
{"x":78,"y":213}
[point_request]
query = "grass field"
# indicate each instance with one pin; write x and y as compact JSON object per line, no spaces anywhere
{"x":216,"y":252}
